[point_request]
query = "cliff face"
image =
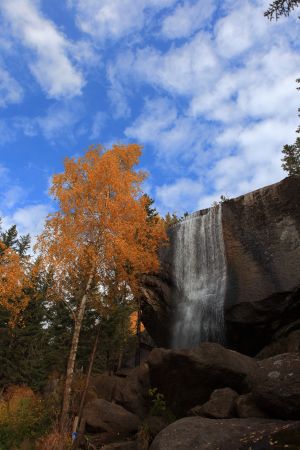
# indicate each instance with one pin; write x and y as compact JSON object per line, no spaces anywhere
{"x":261,"y":245}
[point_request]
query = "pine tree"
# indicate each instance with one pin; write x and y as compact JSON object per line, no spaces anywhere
{"x":280,"y":8}
{"x":291,"y":158}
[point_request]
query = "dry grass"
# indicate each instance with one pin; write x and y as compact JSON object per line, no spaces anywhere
{"x":55,"y":440}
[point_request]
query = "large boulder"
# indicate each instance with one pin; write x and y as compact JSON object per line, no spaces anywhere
{"x":221,"y":405}
{"x":105,"y":416}
{"x":285,"y":344}
{"x":276,"y":385}
{"x":107,"y":386}
{"x":188,"y":377}
{"x":198,"y":433}
{"x":246,"y":407}
{"x":134,"y":394}
{"x":130,"y":391}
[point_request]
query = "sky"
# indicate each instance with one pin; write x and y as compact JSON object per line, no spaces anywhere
{"x":207,"y":87}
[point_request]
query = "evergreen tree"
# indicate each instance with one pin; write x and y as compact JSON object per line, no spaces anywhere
{"x":280,"y":8}
{"x":291,"y":158}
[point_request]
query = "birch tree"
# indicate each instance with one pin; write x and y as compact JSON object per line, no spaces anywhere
{"x":99,"y":241}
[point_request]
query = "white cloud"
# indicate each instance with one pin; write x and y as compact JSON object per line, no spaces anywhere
{"x":10,"y":89}
{"x":112,"y":19}
{"x":51,"y":66}
{"x":179,"y":196}
{"x":12,"y":196}
{"x":29,"y":219}
{"x":61,"y":121}
{"x":174,"y":136}
{"x":187,"y":18}
{"x":183,"y":70}
{"x":98,"y":124}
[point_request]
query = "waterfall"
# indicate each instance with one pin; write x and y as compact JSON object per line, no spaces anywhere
{"x":199,"y":270}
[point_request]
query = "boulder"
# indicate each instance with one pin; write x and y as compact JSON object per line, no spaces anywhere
{"x":221,"y":405}
{"x":199,"y":433}
{"x":129,"y":391}
{"x":276,"y":385}
{"x":188,"y":377}
{"x":246,"y":407}
{"x":133,"y":394}
{"x":105,"y":416}
{"x":286,"y":344}
{"x":107,"y":386}
{"x":152,"y":425}
{"x":124,"y":445}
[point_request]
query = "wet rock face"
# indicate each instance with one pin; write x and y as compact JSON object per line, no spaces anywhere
{"x":261,"y":233}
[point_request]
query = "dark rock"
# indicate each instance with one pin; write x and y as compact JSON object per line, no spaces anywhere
{"x":156,"y":303}
{"x":133,"y":395}
{"x":261,"y":233}
{"x":125,"y":445}
{"x":246,"y":407}
{"x":198,"y":433}
{"x":221,"y":405}
{"x":188,"y":377}
{"x":286,"y":344}
{"x":103,"y":415}
{"x":107,"y":386}
{"x":252,"y":325}
{"x":276,"y":385}
{"x":152,"y":425}
{"x":130,"y":391}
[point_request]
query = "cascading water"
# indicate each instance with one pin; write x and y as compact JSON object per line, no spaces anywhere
{"x":199,"y":270}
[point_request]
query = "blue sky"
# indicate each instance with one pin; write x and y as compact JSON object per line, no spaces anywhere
{"x":206,"y":86}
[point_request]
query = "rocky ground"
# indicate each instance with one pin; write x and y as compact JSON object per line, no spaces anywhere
{"x":213,"y":398}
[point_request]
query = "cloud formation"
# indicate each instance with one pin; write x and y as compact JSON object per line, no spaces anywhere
{"x":50,"y":63}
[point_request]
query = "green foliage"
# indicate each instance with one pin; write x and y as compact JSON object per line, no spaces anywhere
{"x":31,"y":419}
{"x":291,"y":158}
{"x":159,"y":405}
{"x":152,"y":213}
{"x":291,"y":153}
{"x":173,"y":219}
{"x":223,"y":199}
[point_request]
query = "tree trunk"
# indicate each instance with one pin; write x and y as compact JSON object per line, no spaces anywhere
{"x":72,"y":357}
{"x":87,"y":382}
{"x":138,"y":335}
{"x":120,"y":359}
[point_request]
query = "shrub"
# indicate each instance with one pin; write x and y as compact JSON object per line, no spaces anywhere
{"x":30,"y":419}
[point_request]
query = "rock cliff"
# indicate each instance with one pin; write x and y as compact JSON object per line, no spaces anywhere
{"x":258,"y":284}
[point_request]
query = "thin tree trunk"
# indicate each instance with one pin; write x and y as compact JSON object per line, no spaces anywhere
{"x":87,"y":382}
{"x":138,"y":335}
{"x":120,"y":359}
{"x":72,"y":357}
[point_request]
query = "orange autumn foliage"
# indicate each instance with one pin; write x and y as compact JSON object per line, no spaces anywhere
{"x":13,"y":281}
{"x":102,"y":225}
{"x":101,"y":240}
{"x":133,"y":322}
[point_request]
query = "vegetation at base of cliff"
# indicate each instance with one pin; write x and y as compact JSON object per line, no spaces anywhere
{"x":30,"y":419}
{"x":85,"y":281}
